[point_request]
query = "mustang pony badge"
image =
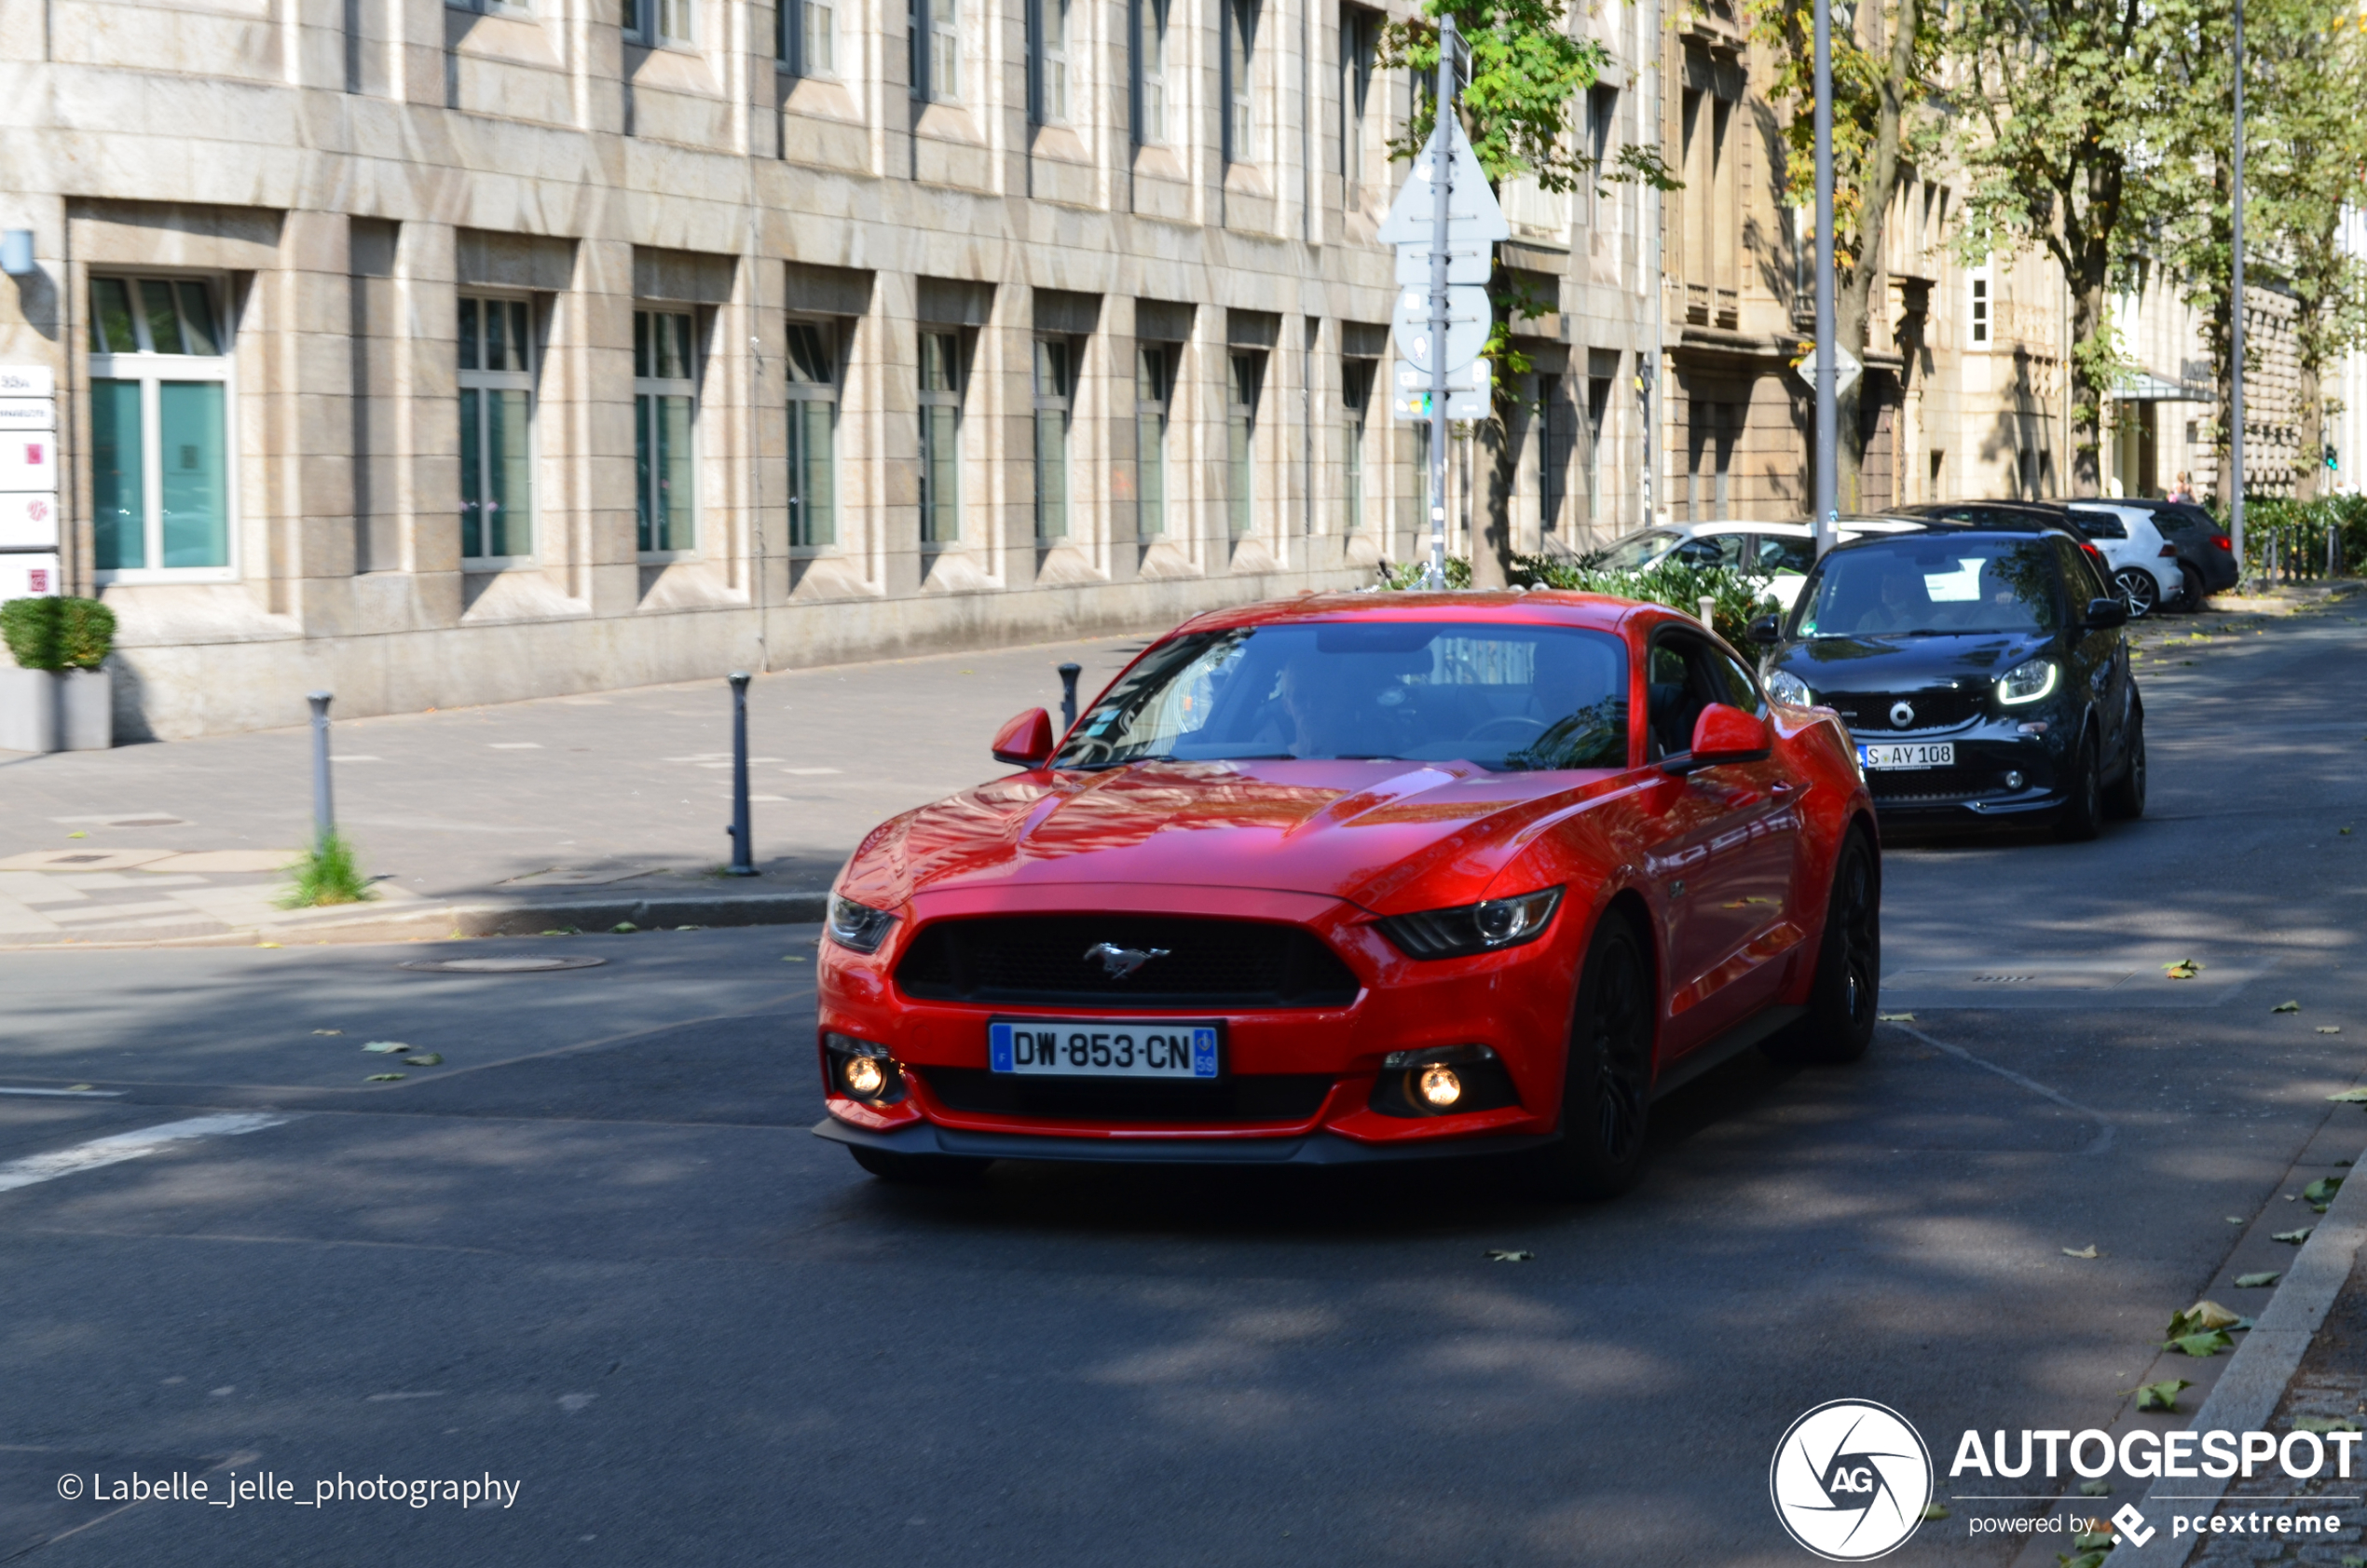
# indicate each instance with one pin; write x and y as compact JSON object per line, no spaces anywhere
{"x":1118,"y":963}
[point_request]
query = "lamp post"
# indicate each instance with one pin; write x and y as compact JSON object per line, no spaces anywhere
{"x":1828,"y":506}
{"x":2235,"y":319}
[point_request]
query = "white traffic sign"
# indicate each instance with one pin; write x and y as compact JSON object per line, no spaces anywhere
{"x":1846,"y":369}
{"x":1468,"y":395}
{"x":1472,"y":214}
{"x":1468,"y":319}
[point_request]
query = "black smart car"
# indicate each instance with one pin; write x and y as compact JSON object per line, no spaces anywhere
{"x":1982,"y":672}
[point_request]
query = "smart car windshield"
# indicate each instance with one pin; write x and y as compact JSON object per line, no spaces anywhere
{"x":1509,"y":698}
{"x":1953,"y":585}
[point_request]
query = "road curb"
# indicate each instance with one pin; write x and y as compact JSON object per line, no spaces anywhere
{"x":427,"y":922}
{"x":2247,"y":1392}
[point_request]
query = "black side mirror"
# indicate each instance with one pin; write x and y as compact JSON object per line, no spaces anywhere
{"x":1764,"y":632}
{"x":2106,"y":614}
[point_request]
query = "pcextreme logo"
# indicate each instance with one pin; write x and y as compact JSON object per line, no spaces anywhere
{"x":1851,"y":1480}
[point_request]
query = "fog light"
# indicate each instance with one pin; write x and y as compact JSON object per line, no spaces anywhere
{"x":865,"y":1075}
{"x":2035,"y":726}
{"x":2013,"y":781}
{"x":1440,"y":1087}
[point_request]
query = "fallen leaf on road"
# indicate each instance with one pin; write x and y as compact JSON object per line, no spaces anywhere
{"x":623,"y":928}
{"x":1934,"y":1510}
{"x":433,"y":1058}
{"x":1895,"y":1018}
{"x":2088,"y":1251}
{"x":1510,"y":1255}
{"x":2257,"y":1281}
{"x":328,"y":1031}
{"x":2235,"y":1218}
{"x":2184,"y":969}
{"x":2105,"y":1488}
{"x":2324,"y":1424}
{"x":266,"y":944}
{"x":385,"y":1047}
{"x":384,"y":1078}
{"x":77,"y":832}
{"x":2323,"y":1188}
{"x":2201,"y":1345}
{"x":2349,"y":1096}
{"x":2162,"y":1395}
{"x":792,"y":958}
{"x":2201,"y":1316}
{"x":2093,"y":1540}
{"x":2329,"y":1028}
{"x":2085,"y":1560}
{"x":2296,"y":1237}
{"x":2286,"y":1007}
{"x":77,"y":1088}
{"x":563,"y":931}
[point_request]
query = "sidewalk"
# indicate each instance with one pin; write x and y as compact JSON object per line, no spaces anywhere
{"x":567,"y":812}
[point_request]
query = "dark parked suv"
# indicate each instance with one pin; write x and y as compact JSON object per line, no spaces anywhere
{"x":1982,"y":673}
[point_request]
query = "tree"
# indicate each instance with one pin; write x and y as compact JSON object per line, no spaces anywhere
{"x":1882,"y":60}
{"x":2061,"y":109}
{"x":1527,"y":71}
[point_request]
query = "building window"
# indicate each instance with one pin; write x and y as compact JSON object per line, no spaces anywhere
{"x":160,"y":481}
{"x":664,"y":425}
{"x":1150,"y":71}
{"x":1048,"y":61}
{"x":1980,"y":311}
{"x":1359,"y":40}
{"x":1356,"y":400}
{"x":934,"y":36}
{"x":497,"y":414}
{"x":1714,"y":428}
{"x":1556,"y":424}
{"x":659,"y":21}
{"x":492,"y":7}
{"x":1602,"y":111}
{"x":806,"y":39}
{"x":814,"y":435}
{"x":1240,"y":443}
{"x":1154,"y":386}
{"x":1055,"y":381}
{"x":1598,"y":403}
{"x":940,"y":438}
{"x":1240,"y":65}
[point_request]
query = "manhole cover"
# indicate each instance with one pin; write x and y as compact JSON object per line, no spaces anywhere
{"x":525,"y":963}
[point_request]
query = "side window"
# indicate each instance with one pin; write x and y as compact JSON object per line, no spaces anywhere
{"x":1781,"y":553}
{"x":1736,"y":688}
{"x":2098,"y":524}
{"x":1712,"y":550}
{"x":2080,"y":582}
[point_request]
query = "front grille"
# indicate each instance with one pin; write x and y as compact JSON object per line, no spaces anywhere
{"x":1291,"y":1097}
{"x":1868,"y":713}
{"x":1899,"y":787}
{"x":1041,"y":959}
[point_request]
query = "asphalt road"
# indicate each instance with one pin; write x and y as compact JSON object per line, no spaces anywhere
{"x":594,"y":1253}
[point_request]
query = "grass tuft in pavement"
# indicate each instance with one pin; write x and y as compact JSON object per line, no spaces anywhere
{"x":327,"y":873}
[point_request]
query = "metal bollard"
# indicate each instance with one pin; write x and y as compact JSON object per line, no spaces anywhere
{"x":324,"y":811}
{"x":743,"y":861}
{"x":1067,"y":696}
{"x":1709,"y":612}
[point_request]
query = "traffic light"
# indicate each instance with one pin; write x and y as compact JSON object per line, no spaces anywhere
{"x":2331,"y":461}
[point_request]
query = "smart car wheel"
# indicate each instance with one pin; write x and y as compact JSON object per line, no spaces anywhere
{"x":919,"y":1170}
{"x":2138,"y":591}
{"x":2125,"y":799}
{"x":1606,"y":1093}
{"x":2082,"y":811}
{"x":1849,"y":966}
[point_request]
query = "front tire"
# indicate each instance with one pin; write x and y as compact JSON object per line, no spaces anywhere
{"x":2138,"y":591}
{"x":2125,"y":801}
{"x":1607,"y":1091}
{"x":1847,"y":990}
{"x":919,"y":1170}
{"x":2082,"y":813}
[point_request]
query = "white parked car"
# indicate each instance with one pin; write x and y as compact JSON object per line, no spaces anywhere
{"x":1778,"y":553}
{"x":2144,"y":565}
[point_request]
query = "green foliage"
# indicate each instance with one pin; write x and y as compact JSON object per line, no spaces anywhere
{"x":2296,"y":532}
{"x":1526,"y":71}
{"x":1414,"y":576}
{"x":328,"y":873}
{"x":1740,"y":597}
{"x":57,"y":633}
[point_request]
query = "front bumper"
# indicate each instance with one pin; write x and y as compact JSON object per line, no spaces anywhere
{"x":1977,"y":789}
{"x":1315,"y":1148}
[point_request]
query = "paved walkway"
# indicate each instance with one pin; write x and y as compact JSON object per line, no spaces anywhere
{"x":584,"y":811}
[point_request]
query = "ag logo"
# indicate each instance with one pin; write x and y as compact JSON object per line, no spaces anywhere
{"x":1851,"y":1480}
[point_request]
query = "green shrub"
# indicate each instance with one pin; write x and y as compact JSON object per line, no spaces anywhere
{"x":86,"y":632}
{"x":58,"y":634}
{"x":1740,"y":597}
{"x":1415,"y":575}
{"x":327,"y":873}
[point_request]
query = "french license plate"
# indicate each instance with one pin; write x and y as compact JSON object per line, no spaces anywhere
{"x":1921,"y":754}
{"x":1102,"y":1049}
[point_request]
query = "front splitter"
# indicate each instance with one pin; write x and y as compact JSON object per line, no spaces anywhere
{"x":1317,"y":1148}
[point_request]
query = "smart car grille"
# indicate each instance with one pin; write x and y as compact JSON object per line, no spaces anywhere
{"x":1064,"y":960}
{"x":1258,"y":1097}
{"x":1932,"y":784}
{"x":1868,"y":712}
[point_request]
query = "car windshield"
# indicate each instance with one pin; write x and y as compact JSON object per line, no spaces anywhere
{"x":1905,"y":584}
{"x":1637,"y":550}
{"x":1509,"y":698}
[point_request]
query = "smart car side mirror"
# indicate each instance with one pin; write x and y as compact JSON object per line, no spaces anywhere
{"x":1026,"y":741}
{"x":2106,"y":614}
{"x":1722,"y":734}
{"x":1764,"y":632}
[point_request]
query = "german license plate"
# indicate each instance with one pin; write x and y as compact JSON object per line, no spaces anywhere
{"x":1921,"y":754}
{"x":1102,"y":1048}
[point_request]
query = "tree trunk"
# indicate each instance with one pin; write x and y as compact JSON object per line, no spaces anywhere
{"x":2313,"y":413}
{"x":1853,"y":310}
{"x":2090,"y":304}
{"x":1492,"y":548}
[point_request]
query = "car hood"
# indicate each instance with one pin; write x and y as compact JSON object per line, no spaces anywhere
{"x":1906,"y":663}
{"x":1384,"y":836}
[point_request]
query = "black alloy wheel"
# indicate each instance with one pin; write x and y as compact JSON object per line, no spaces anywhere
{"x":1847,"y":990}
{"x":919,"y":1170}
{"x":2138,"y":591}
{"x":2082,"y":815}
{"x":2125,"y":801}
{"x":1607,"y":1091}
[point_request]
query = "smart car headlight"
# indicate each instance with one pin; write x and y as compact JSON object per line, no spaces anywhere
{"x":858,"y":926}
{"x":1473,"y":928}
{"x":2027,"y":682}
{"x":1789,"y":689}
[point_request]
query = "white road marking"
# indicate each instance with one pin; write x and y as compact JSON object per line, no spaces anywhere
{"x":118,"y":1147}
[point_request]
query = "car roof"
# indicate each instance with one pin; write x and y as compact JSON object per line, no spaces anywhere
{"x":1942,"y":530}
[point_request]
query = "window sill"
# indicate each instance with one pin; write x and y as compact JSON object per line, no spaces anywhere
{"x":665,"y":557}
{"x":487,"y":566}
{"x":133,"y":576}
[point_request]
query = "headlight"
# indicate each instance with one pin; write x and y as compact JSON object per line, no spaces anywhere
{"x":857,"y":926}
{"x":2027,"y":682}
{"x":1789,"y":689}
{"x":1473,"y":928}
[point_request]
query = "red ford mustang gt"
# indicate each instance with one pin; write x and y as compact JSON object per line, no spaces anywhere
{"x":1353,"y":877}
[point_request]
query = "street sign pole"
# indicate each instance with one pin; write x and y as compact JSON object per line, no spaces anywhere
{"x":1442,"y":187}
{"x":2233,"y":486}
{"x":1827,"y":393}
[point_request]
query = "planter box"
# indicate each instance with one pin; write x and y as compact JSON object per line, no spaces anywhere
{"x":28,"y":709}
{"x":86,"y":710}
